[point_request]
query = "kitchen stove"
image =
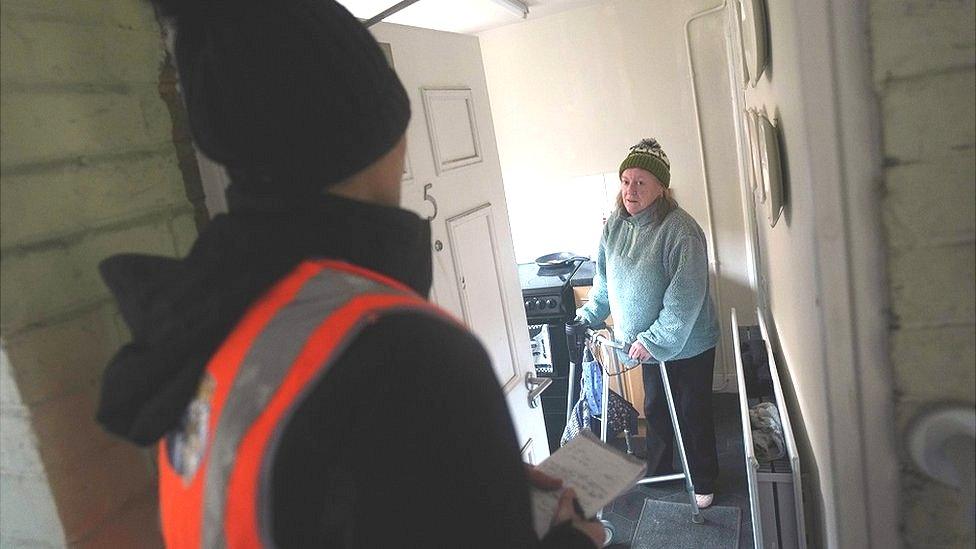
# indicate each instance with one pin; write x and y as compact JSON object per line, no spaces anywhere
{"x":547,"y":294}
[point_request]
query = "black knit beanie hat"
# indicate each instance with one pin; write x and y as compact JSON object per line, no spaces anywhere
{"x":290,"y":96}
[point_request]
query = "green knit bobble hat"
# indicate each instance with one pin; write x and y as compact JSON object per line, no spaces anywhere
{"x":649,"y":155}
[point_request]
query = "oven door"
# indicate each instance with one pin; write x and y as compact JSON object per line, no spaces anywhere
{"x":551,"y":356}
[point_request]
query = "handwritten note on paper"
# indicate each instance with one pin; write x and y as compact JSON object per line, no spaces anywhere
{"x":597,"y":472}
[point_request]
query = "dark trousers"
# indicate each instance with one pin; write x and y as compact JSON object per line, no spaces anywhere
{"x":691,"y":386}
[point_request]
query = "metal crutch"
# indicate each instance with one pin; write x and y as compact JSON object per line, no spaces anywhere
{"x":689,"y":485}
{"x":686,"y":474}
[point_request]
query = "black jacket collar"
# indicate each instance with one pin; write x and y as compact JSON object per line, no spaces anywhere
{"x":180,"y":310}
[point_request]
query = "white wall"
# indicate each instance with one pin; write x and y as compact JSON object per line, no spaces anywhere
{"x":571,"y":92}
{"x":789,"y":269}
{"x":28,"y":514}
{"x":821,"y":270}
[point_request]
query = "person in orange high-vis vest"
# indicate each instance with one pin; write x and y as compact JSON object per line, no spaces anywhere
{"x":299,"y":388}
{"x":214,"y":497}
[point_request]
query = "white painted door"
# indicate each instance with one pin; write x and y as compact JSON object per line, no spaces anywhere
{"x":454,"y":176}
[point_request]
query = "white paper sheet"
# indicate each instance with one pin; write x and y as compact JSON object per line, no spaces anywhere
{"x":597,"y":472}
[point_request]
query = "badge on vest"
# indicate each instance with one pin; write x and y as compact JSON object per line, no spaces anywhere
{"x":187,"y":443}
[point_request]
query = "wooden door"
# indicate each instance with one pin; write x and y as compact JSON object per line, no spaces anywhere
{"x":453,"y":175}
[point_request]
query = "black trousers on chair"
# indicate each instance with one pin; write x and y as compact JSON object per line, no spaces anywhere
{"x":691,"y":386}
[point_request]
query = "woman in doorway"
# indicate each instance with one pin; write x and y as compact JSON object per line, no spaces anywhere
{"x":652,"y":273}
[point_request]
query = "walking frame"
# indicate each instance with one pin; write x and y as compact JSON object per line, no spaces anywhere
{"x":580,"y":335}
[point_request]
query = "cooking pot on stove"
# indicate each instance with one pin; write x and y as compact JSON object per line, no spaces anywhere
{"x":559,"y":259}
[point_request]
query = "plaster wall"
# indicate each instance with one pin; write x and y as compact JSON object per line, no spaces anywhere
{"x":821,"y":269}
{"x":788,"y":273}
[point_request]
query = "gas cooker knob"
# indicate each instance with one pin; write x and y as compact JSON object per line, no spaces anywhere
{"x":529,"y":305}
{"x":539,"y":304}
{"x":551,"y":303}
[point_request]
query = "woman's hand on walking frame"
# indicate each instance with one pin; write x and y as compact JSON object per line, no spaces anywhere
{"x":638,"y":352}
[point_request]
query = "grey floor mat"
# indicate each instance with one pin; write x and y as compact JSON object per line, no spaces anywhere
{"x":667,"y":524}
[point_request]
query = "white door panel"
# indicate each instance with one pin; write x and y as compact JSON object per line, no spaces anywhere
{"x":452,"y":123}
{"x":481,"y":287}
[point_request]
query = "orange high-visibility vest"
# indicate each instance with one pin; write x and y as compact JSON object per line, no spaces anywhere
{"x":215,"y":468}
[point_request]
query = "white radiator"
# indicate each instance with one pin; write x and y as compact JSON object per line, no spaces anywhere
{"x":775,"y":495}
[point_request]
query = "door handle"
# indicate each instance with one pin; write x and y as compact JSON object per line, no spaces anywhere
{"x":535,"y":385}
{"x":430,"y":198}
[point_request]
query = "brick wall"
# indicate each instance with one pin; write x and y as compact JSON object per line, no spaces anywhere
{"x":924,"y":53}
{"x":93,"y":161}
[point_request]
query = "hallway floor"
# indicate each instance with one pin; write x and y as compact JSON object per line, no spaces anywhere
{"x":732,"y":488}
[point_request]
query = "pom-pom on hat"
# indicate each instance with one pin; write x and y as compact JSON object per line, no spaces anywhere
{"x":290,"y":96}
{"x":649,"y":155}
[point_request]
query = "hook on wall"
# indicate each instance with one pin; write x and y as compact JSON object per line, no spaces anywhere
{"x":430,"y":198}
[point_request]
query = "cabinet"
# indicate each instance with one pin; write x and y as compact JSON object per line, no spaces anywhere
{"x":633,"y":384}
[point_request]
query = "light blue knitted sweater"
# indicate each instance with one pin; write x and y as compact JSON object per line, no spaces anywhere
{"x":653,"y":275}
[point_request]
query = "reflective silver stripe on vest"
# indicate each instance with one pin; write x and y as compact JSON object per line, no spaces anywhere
{"x":265,"y":366}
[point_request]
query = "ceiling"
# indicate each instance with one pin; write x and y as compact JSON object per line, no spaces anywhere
{"x":462,"y":16}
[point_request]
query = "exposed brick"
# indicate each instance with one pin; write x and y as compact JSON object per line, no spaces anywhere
{"x":911,"y":37}
{"x":96,"y":490}
{"x":67,"y":433}
{"x":933,"y":514}
{"x":91,"y":473}
{"x":65,"y":358}
{"x":46,"y":126}
{"x":935,"y":363}
{"x":105,"y":13}
{"x":928,"y":119}
{"x":48,"y":52}
{"x":907,"y":411}
{"x":930,"y":202}
{"x":61,"y":200}
{"x":185,"y":151}
{"x":89,"y":170}
{"x":136,"y":525}
{"x":50,"y":282}
{"x":933,"y":285}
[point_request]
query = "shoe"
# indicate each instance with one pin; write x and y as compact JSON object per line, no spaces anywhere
{"x":704,"y":501}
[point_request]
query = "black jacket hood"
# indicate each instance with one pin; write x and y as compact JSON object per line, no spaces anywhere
{"x":180,"y":310}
